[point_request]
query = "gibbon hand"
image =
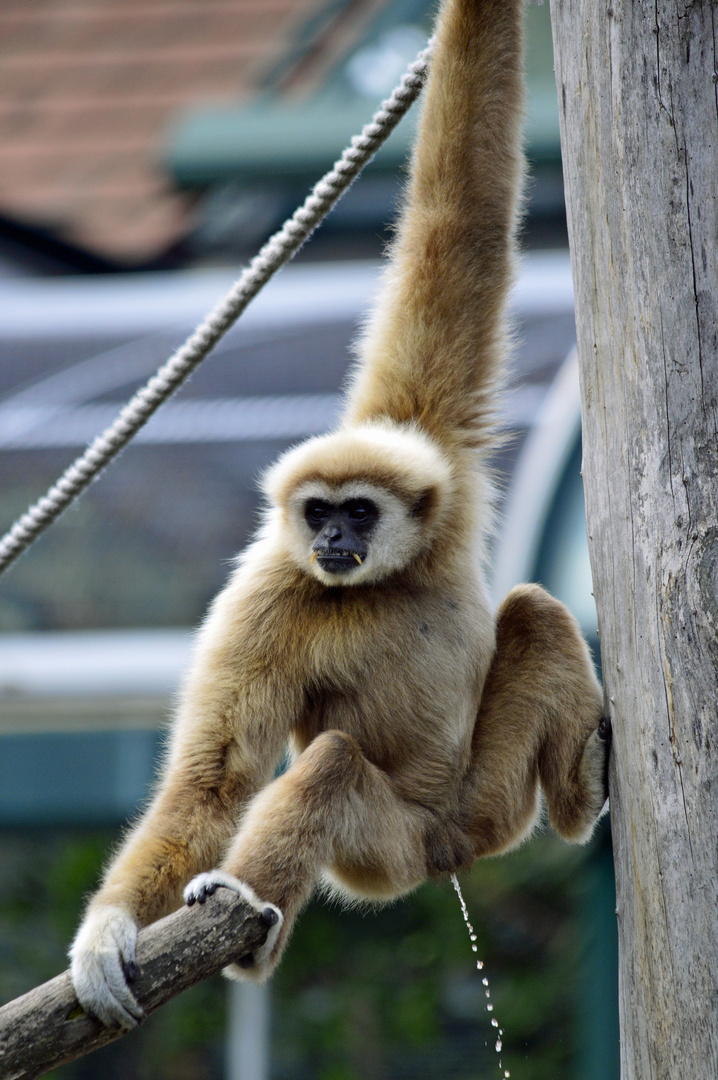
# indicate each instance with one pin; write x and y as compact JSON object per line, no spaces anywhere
{"x":103,"y":963}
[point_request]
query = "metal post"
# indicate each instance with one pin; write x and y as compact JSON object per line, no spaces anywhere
{"x":247,"y":1032}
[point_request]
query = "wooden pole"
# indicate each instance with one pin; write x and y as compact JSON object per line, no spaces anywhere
{"x":47,"y":1027}
{"x":639,"y":131}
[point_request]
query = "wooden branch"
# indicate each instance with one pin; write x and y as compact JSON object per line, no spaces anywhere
{"x":637,"y":99}
{"x":47,"y":1027}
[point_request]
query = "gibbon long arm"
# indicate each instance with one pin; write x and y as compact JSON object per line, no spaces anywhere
{"x":452,"y":261}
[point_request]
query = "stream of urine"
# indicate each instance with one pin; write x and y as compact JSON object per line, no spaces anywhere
{"x":485,"y":982}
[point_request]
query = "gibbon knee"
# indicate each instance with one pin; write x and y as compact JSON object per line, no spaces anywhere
{"x":330,"y":765}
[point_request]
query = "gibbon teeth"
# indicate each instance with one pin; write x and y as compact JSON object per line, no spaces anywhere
{"x":338,"y":554}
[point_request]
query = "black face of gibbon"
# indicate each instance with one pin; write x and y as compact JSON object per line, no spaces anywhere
{"x":342,"y":532}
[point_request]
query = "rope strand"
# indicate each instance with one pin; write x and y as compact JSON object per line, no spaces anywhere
{"x":276,"y":252}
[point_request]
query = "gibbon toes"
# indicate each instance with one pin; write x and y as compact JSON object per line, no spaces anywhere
{"x":254,"y":965}
{"x":258,"y":959}
{"x":605,"y":736}
{"x":206,"y":884}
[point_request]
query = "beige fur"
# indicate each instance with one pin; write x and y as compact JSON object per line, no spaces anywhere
{"x":421,"y":727}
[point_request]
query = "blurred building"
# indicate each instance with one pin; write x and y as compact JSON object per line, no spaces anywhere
{"x":149,"y":133}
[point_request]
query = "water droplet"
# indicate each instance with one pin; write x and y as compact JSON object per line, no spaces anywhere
{"x":479,"y":967}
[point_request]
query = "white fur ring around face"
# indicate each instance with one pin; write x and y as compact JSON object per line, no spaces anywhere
{"x":102,"y":961}
{"x":253,"y":967}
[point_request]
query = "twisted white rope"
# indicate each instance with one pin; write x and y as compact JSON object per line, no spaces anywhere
{"x":275,"y":253}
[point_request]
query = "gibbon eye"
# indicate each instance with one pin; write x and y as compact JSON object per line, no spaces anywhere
{"x":361,"y":510}
{"x":316,"y":511}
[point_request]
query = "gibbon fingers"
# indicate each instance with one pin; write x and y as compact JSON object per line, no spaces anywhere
{"x":356,"y":628}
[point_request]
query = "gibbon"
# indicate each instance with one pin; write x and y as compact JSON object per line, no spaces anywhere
{"x":356,"y":629}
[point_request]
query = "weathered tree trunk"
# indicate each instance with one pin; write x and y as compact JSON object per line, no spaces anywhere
{"x":47,"y":1027}
{"x":637,"y":97}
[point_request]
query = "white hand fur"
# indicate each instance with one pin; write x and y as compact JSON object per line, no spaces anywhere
{"x":102,"y":952}
{"x":205,"y":885}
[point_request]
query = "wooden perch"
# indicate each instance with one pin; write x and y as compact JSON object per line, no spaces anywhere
{"x":47,"y":1027}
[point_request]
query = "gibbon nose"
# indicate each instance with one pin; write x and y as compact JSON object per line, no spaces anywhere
{"x":332,"y":534}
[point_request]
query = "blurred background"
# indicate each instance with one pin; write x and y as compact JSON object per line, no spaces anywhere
{"x":147,"y":148}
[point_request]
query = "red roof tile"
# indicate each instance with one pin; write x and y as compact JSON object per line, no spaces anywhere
{"x":88,"y":89}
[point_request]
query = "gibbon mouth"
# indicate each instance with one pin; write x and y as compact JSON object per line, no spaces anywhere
{"x":337,"y":560}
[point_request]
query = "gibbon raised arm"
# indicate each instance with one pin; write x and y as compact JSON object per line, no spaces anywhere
{"x":356,"y":628}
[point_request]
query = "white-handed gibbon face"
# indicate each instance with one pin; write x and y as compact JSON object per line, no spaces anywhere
{"x":354,"y":532}
{"x":361,"y":503}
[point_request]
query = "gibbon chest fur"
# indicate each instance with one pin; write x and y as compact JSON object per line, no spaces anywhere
{"x":355,"y":631}
{"x":358,"y":659}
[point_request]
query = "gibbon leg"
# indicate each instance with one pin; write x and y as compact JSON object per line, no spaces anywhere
{"x":331,"y":811}
{"x":539,"y":723}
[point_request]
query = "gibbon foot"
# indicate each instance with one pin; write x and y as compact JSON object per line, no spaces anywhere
{"x":594,"y":778}
{"x":605,"y":736}
{"x":205,"y":885}
{"x":103,"y":963}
